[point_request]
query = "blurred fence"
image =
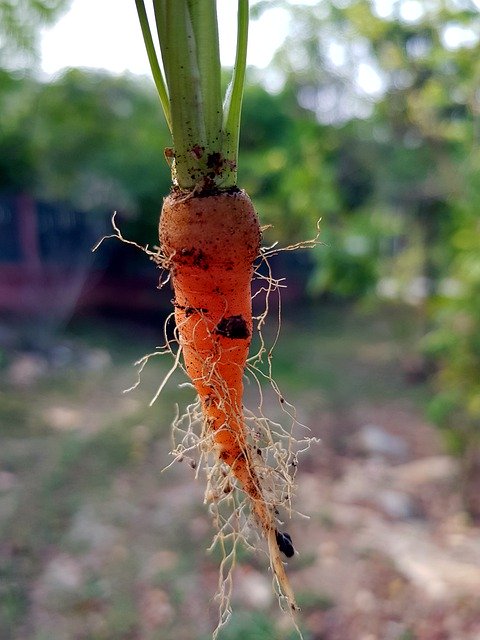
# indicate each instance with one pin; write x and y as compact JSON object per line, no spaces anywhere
{"x":47,"y":267}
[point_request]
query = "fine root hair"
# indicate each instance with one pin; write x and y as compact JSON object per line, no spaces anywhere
{"x":275,"y":439}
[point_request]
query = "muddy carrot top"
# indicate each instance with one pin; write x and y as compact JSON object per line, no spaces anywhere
{"x":204,"y":124}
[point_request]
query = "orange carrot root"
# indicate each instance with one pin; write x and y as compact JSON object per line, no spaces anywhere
{"x":209,"y":244}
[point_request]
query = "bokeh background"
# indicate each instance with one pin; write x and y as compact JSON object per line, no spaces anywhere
{"x":364,"y":116}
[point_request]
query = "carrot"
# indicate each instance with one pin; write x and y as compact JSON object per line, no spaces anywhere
{"x":209,"y":239}
{"x":209,"y":244}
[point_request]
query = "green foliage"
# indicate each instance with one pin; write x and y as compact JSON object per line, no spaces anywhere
{"x":16,"y":152}
{"x":349,"y":257}
{"x":455,"y":343}
{"x":315,"y":601}
{"x":254,"y":626}
{"x":87,"y":138}
{"x":20,"y":22}
{"x":410,"y":154}
{"x":91,"y":127}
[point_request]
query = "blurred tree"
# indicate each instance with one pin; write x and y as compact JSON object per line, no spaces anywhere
{"x":454,"y":341}
{"x":20,"y":24}
{"x":398,"y":84}
{"x":78,"y":139}
{"x":16,"y":160}
{"x":404,"y":76}
{"x":101,"y":141}
{"x":286,"y":163}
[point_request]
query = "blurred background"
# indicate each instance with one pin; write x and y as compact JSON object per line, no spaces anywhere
{"x":363,"y":114}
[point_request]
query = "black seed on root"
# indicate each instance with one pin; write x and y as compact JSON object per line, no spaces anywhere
{"x":284,"y":542}
{"x":233,"y":327}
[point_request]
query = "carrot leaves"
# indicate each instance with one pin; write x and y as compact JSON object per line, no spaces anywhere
{"x":205,"y":133}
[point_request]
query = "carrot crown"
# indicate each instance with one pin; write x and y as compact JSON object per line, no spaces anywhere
{"x":205,"y":132}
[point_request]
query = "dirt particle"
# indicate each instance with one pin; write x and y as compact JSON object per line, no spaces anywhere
{"x":233,"y":327}
{"x":200,"y":260}
{"x":284,"y":542}
{"x":216,"y":162}
{"x":209,"y":400}
{"x":197,"y":151}
{"x":192,"y":256}
{"x":190,"y":311}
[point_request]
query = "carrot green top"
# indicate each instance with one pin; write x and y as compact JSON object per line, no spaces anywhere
{"x":205,"y":132}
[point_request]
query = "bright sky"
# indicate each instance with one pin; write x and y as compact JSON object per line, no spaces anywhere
{"x":93,"y":34}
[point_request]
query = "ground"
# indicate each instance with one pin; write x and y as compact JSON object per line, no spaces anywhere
{"x":98,"y":544}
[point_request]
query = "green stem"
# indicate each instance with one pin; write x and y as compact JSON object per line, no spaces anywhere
{"x":178,"y":47}
{"x":204,"y":21}
{"x":205,"y":135}
{"x":153,"y":60}
{"x":232,"y":107}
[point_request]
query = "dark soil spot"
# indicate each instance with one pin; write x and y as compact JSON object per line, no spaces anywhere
{"x":233,"y":327}
{"x":215,"y":161}
{"x":200,"y":260}
{"x":189,"y":311}
{"x":284,"y":542}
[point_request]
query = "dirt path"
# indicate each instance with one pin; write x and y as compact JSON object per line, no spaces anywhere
{"x":97,"y":544}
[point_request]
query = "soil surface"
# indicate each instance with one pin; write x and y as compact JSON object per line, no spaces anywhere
{"x":97,"y":543}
